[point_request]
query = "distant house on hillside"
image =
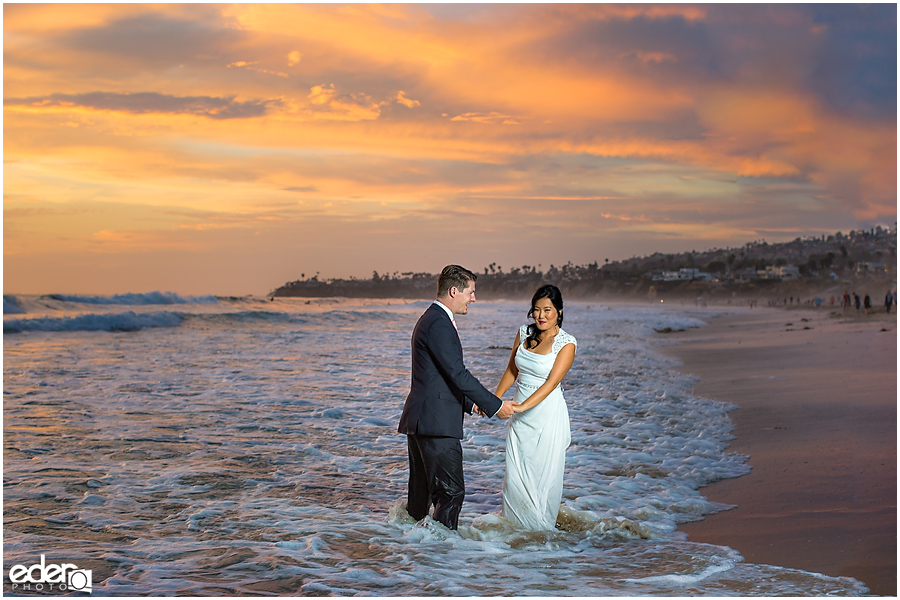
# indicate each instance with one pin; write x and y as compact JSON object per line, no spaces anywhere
{"x":681,"y":275}
{"x":783,"y":273}
{"x":869,"y":267}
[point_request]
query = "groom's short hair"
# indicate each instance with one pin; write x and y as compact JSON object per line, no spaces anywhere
{"x":454,"y":276}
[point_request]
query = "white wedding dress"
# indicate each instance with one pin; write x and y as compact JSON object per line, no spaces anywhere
{"x":536,"y":443}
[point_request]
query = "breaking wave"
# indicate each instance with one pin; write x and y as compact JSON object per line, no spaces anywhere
{"x":148,"y":298}
{"x":127,"y":321}
{"x":12,"y":306}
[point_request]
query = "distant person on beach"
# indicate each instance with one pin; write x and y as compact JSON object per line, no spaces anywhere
{"x":867,"y":303}
{"x":888,"y":301}
{"x":442,"y":389}
{"x":538,"y":432}
{"x":856,"y":301}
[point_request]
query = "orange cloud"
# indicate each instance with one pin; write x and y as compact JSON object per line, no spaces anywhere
{"x":579,"y":117}
{"x":650,"y":57}
{"x":407,"y":102}
{"x":487,"y":118}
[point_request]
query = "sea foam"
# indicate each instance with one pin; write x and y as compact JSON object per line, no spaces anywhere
{"x":243,"y":448}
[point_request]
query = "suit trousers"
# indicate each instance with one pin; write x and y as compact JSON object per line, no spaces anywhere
{"x":435,"y":476}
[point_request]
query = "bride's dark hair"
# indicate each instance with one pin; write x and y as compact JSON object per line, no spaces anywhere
{"x":545,"y":291}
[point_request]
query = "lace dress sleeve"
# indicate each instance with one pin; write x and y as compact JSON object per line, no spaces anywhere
{"x":523,"y":333}
{"x":562,"y":338}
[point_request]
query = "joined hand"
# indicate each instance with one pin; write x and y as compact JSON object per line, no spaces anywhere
{"x":507,"y":409}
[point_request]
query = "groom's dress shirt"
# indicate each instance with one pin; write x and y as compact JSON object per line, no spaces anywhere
{"x":441,"y":387}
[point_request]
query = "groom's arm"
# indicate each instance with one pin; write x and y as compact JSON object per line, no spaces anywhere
{"x":445,"y":348}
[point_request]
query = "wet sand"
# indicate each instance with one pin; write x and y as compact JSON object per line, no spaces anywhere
{"x":817,"y":398}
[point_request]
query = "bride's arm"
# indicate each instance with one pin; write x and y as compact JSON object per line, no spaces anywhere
{"x":561,"y":366}
{"x":512,"y":371}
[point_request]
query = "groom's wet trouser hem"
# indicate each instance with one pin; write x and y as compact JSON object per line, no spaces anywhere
{"x":435,"y":476}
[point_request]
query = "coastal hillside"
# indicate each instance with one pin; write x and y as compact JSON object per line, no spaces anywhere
{"x":860,"y":261}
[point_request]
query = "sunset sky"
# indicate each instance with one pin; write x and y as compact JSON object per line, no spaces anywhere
{"x":227,"y":149}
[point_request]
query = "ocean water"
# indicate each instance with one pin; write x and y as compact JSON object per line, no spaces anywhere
{"x":235,"y":446}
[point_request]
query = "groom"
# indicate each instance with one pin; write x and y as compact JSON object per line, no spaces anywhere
{"x":442,"y":388}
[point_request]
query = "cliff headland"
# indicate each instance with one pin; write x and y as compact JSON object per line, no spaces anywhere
{"x":862,"y":262}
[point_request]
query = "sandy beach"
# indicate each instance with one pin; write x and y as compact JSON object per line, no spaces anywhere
{"x":817,"y":398}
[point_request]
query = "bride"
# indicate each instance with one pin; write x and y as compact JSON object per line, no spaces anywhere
{"x":538,"y":433}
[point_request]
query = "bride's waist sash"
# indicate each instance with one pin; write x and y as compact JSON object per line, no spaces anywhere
{"x":532,"y":383}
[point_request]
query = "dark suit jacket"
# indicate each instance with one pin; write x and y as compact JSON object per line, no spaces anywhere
{"x":442,"y":388}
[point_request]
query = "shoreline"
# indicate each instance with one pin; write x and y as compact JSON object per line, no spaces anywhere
{"x":817,"y":414}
